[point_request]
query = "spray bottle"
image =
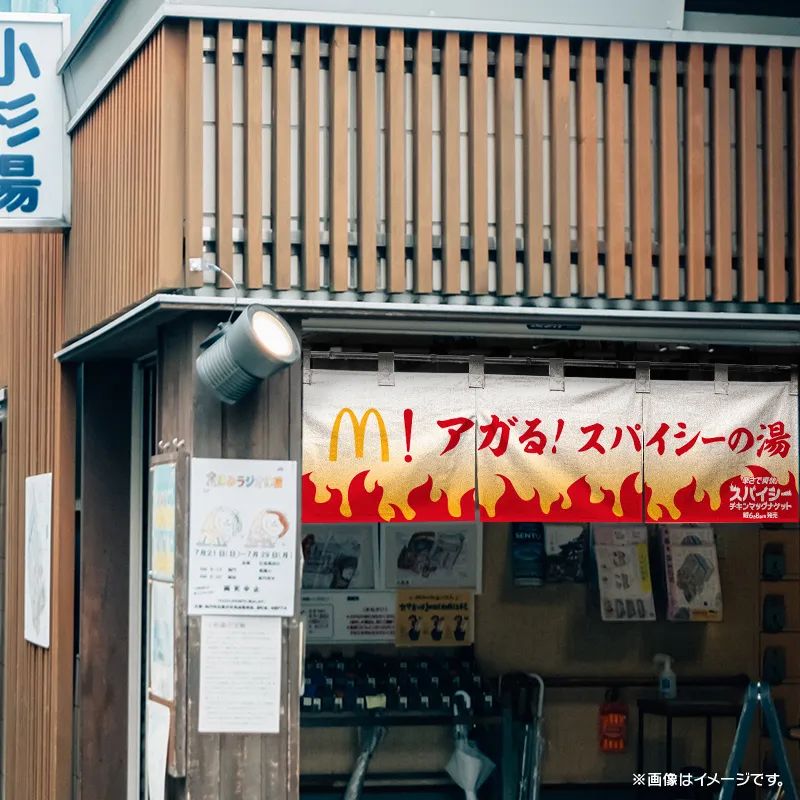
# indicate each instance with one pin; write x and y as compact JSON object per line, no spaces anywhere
{"x":667,"y":682}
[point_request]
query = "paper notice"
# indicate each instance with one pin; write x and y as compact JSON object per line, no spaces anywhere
{"x":240,"y":675}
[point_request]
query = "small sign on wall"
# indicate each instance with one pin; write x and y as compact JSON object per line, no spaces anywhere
{"x":38,"y":516}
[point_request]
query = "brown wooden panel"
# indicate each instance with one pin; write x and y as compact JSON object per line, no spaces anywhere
{"x":395,"y":164}
{"x":223,"y":93}
{"x":104,"y":567}
{"x":338,"y":160}
{"x":721,"y":194}
{"x":695,"y":176}
{"x":669,"y":219}
{"x":533,"y":171}
{"x":281,"y":158}
{"x":747,"y":176}
{"x":478,"y":172}
{"x":794,"y":171}
{"x":194,"y":149}
{"x":423,"y":163}
{"x":559,"y":170}
{"x":641,"y":174}
{"x":586,"y":103}
{"x":505,"y":162}
{"x":310,"y":101}
{"x":451,"y":165}
{"x":774,"y":179}
{"x":367,"y":159}
{"x":253,"y":135}
{"x":614,"y":154}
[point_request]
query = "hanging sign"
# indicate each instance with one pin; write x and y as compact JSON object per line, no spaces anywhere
{"x":720,"y":456}
{"x":33,"y":138}
{"x":568,"y":455}
{"x":242,"y":537}
{"x":381,"y":453}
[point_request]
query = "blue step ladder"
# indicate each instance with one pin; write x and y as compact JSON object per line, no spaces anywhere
{"x":758,"y":694}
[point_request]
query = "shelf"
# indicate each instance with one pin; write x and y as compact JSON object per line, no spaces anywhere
{"x":362,"y":719}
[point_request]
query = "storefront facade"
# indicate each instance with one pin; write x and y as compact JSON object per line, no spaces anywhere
{"x":441,"y":188}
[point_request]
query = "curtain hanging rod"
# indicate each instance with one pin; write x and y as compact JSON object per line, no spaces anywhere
{"x":337,"y":355}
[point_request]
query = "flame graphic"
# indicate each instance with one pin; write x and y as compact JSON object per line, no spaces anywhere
{"x":575,"y":505}
{"x":692,"y":504}
{"x":367,"y":504}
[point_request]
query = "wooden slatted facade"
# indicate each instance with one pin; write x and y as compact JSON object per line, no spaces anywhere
{"x":40,"y":438}
{"x":539,"y":167}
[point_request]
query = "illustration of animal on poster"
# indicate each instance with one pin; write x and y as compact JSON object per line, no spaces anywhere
{"x":242,"y":537}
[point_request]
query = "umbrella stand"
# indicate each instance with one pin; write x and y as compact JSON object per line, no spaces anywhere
{"x":370,"y":739}
{"x":468,"y":766}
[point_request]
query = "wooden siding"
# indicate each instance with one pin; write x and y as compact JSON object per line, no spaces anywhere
{"x":509,"y":166}
{"x":128,"y":184}
{"x":38,"y":682}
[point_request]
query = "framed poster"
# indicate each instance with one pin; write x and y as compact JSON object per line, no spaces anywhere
{"x":38,"y":516}
{"x":162,"y":640}
{"x":162,"y":521}
{"x":340,"y":557}
{"x":349,"y":618}
{"x":443,"y":555}
{"x":242,"y":537}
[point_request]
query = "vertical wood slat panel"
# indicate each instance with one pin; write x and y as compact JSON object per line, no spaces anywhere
{"x":253,"y":175}
{"x":451,"y":165}
{"x":695,"y":176}
{"x":747,"y":177}
{"x":478,"y":171}
{"x":721,"y":186}
{"x":395,"y":164}
{"x":504,"y":167}
{"x":559,"y":170}
{"x":339,"y":263}
{"x":587,"y":169}
{"x":642,"y":175}
{"x":533,"y":170}
{"x":423,"y":163}
{"x":794,"y":167}
{"x":281,"y":158}
{"x":367,"y":158}
{"x":193,"y":201}
{"x":224,"y":140}
{"x":774,"y":177}
{"x":614,"y":155}
{"x":310,"y":104}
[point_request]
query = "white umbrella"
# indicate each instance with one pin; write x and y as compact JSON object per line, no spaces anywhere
{"x":468,"y":766}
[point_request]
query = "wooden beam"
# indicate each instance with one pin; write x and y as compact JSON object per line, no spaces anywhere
{"x":695,"y":194}
{"x":794,"y":168}
{"x":774,"y":179}
{"x":281,"y":158}
{"x":747,"y":176}
{"x":560,"y":171}
{"x":395,"y":163}
{"x":478,"y":170}
{"x":722,"y":195}
{"x":423,"y":163}
{"x":339,"y":200}
{"x":642,"y":174}
{"x":614,"y":154}
{"x":309,"y":77}
{"x":532,"y":165}
{"x":367,"y":160}
{"x":451,"y":165}
{"x":587,"y":168}
{"x":505,"y":163}
{"x":253,"y":174}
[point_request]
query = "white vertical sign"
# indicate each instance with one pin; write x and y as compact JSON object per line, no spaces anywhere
{"x":33,"y":142}
{"x":38,"y":512}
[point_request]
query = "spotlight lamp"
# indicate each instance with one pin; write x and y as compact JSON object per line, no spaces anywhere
{"x":239,"y":355}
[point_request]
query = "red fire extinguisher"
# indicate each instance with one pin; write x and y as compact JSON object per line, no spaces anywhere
{"x":613,"y":724}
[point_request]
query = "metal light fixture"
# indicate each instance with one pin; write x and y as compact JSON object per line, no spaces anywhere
{"x":239,"y":355}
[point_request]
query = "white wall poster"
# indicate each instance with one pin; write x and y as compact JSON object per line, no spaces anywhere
{"x":38,"y":515}
{"x":446,"y":555}
{"x":340,"y":556}
{"x":33,"y":141}
{"x":162,"y":640}
{"x":162,"y":521}
{"x":349,"y":618}
{"x":240,"y":675}
{"x":157,"y":746}
{"x":242,"y":537}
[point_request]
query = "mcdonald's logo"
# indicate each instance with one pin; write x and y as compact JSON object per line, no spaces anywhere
{"x":359,"y":432}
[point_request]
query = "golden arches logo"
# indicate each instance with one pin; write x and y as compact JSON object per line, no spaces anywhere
{"x":359,"y":432}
